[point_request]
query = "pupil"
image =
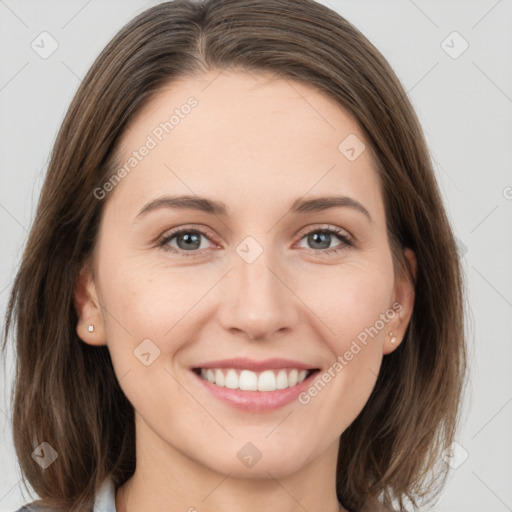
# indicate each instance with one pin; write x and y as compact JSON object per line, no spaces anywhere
{"x":324,"y":239}
{"x":190,"y":240}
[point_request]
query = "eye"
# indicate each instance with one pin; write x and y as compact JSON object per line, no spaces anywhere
{"x":189,"y":242}
{"x":184,"y":242}
{"x":320,"y":239}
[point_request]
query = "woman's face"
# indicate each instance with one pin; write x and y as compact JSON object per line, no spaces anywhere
{"x":263,"y":281}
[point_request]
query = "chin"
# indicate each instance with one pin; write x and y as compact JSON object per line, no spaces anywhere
{"x":258,"y":460}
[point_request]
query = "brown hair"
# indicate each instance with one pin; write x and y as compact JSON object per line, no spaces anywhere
{"x":66,"y":392}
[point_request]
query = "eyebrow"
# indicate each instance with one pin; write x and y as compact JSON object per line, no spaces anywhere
{"x":214,"y":207}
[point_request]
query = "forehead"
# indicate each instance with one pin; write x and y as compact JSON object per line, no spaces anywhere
{"x":247,"y":139}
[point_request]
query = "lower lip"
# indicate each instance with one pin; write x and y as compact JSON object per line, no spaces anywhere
{"x":257,"y":401}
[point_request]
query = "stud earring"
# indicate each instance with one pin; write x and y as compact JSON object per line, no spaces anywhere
{"x":393,"y":338}
{"x":91,"y":328}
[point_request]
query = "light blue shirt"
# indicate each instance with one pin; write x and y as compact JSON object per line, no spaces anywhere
{"x":104,"y":501}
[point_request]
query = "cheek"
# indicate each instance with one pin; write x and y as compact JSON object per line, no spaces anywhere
{"x":169,"y":305}
{"x":354,"y":305}
{"x":157,"y":302}
{"x":148,"y":300}
{"x":349,"y":299}
{"x":145,"y":313}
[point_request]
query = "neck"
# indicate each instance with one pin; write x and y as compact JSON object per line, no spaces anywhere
{"x":166,"y":479}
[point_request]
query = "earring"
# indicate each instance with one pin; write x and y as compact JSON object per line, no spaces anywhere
{"x":91,"y":328}
{"x":393,"y":338}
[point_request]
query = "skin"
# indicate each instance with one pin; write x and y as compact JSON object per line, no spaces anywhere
{"x":256,"y":143}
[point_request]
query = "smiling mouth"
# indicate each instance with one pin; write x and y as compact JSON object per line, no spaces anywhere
{"x":248,"y":380}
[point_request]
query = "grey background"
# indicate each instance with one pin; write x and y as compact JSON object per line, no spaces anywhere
{"x":465,"y":106}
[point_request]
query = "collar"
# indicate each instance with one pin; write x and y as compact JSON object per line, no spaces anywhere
{"x":105,"y":500}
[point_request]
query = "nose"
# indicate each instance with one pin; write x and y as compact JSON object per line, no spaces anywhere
{"x":257,"y":301}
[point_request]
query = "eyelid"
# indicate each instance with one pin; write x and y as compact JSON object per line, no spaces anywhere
{"x":346,"y":238}
{"x":202,"y":230}
{"x":325,"y":227}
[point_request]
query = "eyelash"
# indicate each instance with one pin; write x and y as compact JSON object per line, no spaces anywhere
{"x":327,"y":229}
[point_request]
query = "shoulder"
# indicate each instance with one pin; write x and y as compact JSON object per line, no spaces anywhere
{"x":33,"y":507}
{"x":104,"y":500}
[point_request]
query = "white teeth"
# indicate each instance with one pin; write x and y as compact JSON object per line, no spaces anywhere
{"x":231,"y":380}
{"x":267,"y":381}
{"x":247,"y":380}
{"x":282,"y":380}
{"x":219,"y":377}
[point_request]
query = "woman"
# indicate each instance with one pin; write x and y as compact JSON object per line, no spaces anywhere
{"x":241,"y":290}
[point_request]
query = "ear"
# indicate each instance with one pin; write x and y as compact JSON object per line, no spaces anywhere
{"x":88,"y":309}
{"x":402,"y":305}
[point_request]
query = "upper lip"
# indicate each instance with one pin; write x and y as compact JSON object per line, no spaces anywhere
{"x":254,"y":365}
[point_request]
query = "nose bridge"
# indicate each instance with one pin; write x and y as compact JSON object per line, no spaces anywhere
{"x":257,"y":300}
